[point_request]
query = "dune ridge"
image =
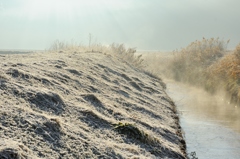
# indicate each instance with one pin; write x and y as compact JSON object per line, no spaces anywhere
{"x":65,"y":105}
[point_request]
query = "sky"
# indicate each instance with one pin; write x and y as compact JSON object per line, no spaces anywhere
{"x":163,"y":25}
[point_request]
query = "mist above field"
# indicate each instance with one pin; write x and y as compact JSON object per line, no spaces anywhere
{"x":147,"y":25}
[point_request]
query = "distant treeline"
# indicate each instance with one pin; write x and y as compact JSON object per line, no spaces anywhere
{"x":15,"y":52}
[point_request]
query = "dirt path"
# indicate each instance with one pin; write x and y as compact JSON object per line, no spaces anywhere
{"x":65,"y":105}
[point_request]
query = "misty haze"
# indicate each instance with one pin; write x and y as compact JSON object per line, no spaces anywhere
{"x":119,"y":79}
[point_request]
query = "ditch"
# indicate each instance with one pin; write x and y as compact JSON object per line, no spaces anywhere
{"x":211,"y":125}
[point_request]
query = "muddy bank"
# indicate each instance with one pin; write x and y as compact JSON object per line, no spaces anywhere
{"x":84,"y":105}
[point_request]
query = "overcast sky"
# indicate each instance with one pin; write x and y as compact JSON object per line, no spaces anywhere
{"x":144,"y":24}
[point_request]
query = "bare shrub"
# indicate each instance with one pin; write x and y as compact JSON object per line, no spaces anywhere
{"x":58,"y":46}
{"x":237,"y":51}
{"x":127,"y":54}
{"x":227,"y":72}
{"x":189,"y":63}
{"x":202,"y":63}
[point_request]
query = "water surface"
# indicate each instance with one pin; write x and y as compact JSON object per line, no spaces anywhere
{"x":210,"y":123}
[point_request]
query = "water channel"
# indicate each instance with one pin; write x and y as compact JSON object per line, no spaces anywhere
{"x":211,"y":125}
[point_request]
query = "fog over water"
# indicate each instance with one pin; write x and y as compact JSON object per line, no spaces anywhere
{"x":147,"y":25}
{"x":210,"y":123}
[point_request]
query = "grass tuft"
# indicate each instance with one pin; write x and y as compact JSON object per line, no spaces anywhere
{"x":133,"y":131}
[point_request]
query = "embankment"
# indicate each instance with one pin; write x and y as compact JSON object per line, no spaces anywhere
{"x":84,"y":105}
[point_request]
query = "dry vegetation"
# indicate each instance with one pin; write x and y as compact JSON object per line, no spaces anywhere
{"x":190,"y":63}
{"x":227,"y":72}
{"x":119,"y":50}
{"x":72,"y":101}
{"x":205,"y":63}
